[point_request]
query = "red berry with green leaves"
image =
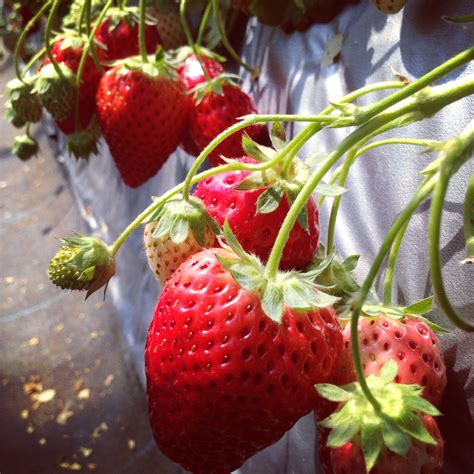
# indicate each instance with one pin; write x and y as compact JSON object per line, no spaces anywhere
{"x":216,"y":112}
{"x":191,"y":73}
{"x":142,"y":118}
{"x":117,"y":37}
{"x":224,"y":380}
{"x":421,"y":458}
{"x":257,"y":231}
{"x":409,"y":341}
{"x":68,"y":52}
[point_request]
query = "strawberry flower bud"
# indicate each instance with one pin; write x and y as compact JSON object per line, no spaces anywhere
{"x":82,"y":263}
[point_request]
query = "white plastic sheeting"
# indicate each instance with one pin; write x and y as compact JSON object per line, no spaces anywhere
{"x":293,"y":81}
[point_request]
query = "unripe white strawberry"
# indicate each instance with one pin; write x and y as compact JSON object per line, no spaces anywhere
{"x":164,"y":256}
{"x":389,"y":6}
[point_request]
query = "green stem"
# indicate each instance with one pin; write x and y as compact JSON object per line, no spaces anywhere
{"x":420,"y":195}
{"x":82,"y":63}
{"x":203,"y":24}
{"x":225,"y":41}
{"x":21,"y":39}
{"x":81,"y":18}
{"x":416,"y":108}
{"x":47,"y":36}
{"x":179,"y":188}
{"x":410,"y":89}
{"x":457,"y":151}
{"x":141,"y":32}
{"x":469,"y":218}
{"x":32,"y":61}
{"x":189,"y":37}
{"x":251,"y":120}
{"x":392,"y":262}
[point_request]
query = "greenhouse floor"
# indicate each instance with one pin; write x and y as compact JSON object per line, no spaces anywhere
{"x":69,"y":398}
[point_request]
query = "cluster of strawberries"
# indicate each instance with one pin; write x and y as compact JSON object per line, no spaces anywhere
{"x":144,"y":108}
{"x":226,"y":378}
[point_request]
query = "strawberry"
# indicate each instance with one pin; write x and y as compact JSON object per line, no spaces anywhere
{"x":224,"y":380}
{"x":180,"y":229}
{"x":257,"y":231}
{"x":422,"y":458}
{"x":215,"y":112}
{"x":399,"y":436}
{"x":67,"y":52}
{"x":409,"y":341}
{"x":389,"y":6}
{"x":117,"y":36}
{"x":24,"y":105}
{"x":142,"y":111}
{"x":169,"y":27}
{"x":191,"y":75}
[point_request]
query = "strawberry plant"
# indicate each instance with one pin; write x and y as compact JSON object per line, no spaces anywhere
{"x":258,"y":322}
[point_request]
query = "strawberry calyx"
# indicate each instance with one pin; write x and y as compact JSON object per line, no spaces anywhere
{"x":130,"y":15}
{"x":214,"y":85}
{"x":292,"y":289}
{"x":394,"y":425}
{"x":179,"y":217}
{"x":156,"y":66}
{"x":179,"y":55}
{"x":25,"y":147}
{"x":85,"y":142}
{"x":24,"y":105}
{"x":82,"y":263}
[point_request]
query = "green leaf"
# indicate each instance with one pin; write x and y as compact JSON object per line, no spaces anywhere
{"x":371,"y":443}
{"x":395,"y":439}
{"x":342,"y":434}
{"x":412,"y":424}
{"x":270,"y":199}
{"x":459,"y":19}
{"x":332,"y":393}
{"x":389,"y":371}
{"x":422,"y":405}
{"x":329,"y":190}
{"x":272,"y":301}
{"x":278,"y":136}
{"x":420,"y":307}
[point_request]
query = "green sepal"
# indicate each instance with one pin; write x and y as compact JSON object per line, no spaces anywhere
{"x":371,"y":441}
{"x":261,"y":153}
{"x":278,"y":136}
{"x":420,"y":307}
{"x":377,"y":310}
{"x":84,"y":143}
{"x":273,"y":301}
{"x":24,"y":105}
{"x":270,"y":199}
{"x":332,"y":393}
{"x":396,"y":422}
{"x":25,"y":147}
{"x":302,"y":218}
{"x":329,"y":190}
{"x":177,"y":217}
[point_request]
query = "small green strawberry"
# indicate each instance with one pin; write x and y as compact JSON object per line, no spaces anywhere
{"x":24,"y":105}
{"x":82,"y":263}
{"x":180,"y":229}
{"x":57,"y":91}
{"x":25,"y":147}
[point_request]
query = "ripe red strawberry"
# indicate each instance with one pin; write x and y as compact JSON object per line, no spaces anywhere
{"x":409,"y":342}
{"x":216,"y":112}
{"x":191,"y":75}
{"x":223,"y":379}
{"x":169,"y":27}
{"x":257,"y":232}
{"x":67,"y":52}
{"x":142,"y":118}
{"x":119,"y":37}
{"x":420,"y":459}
